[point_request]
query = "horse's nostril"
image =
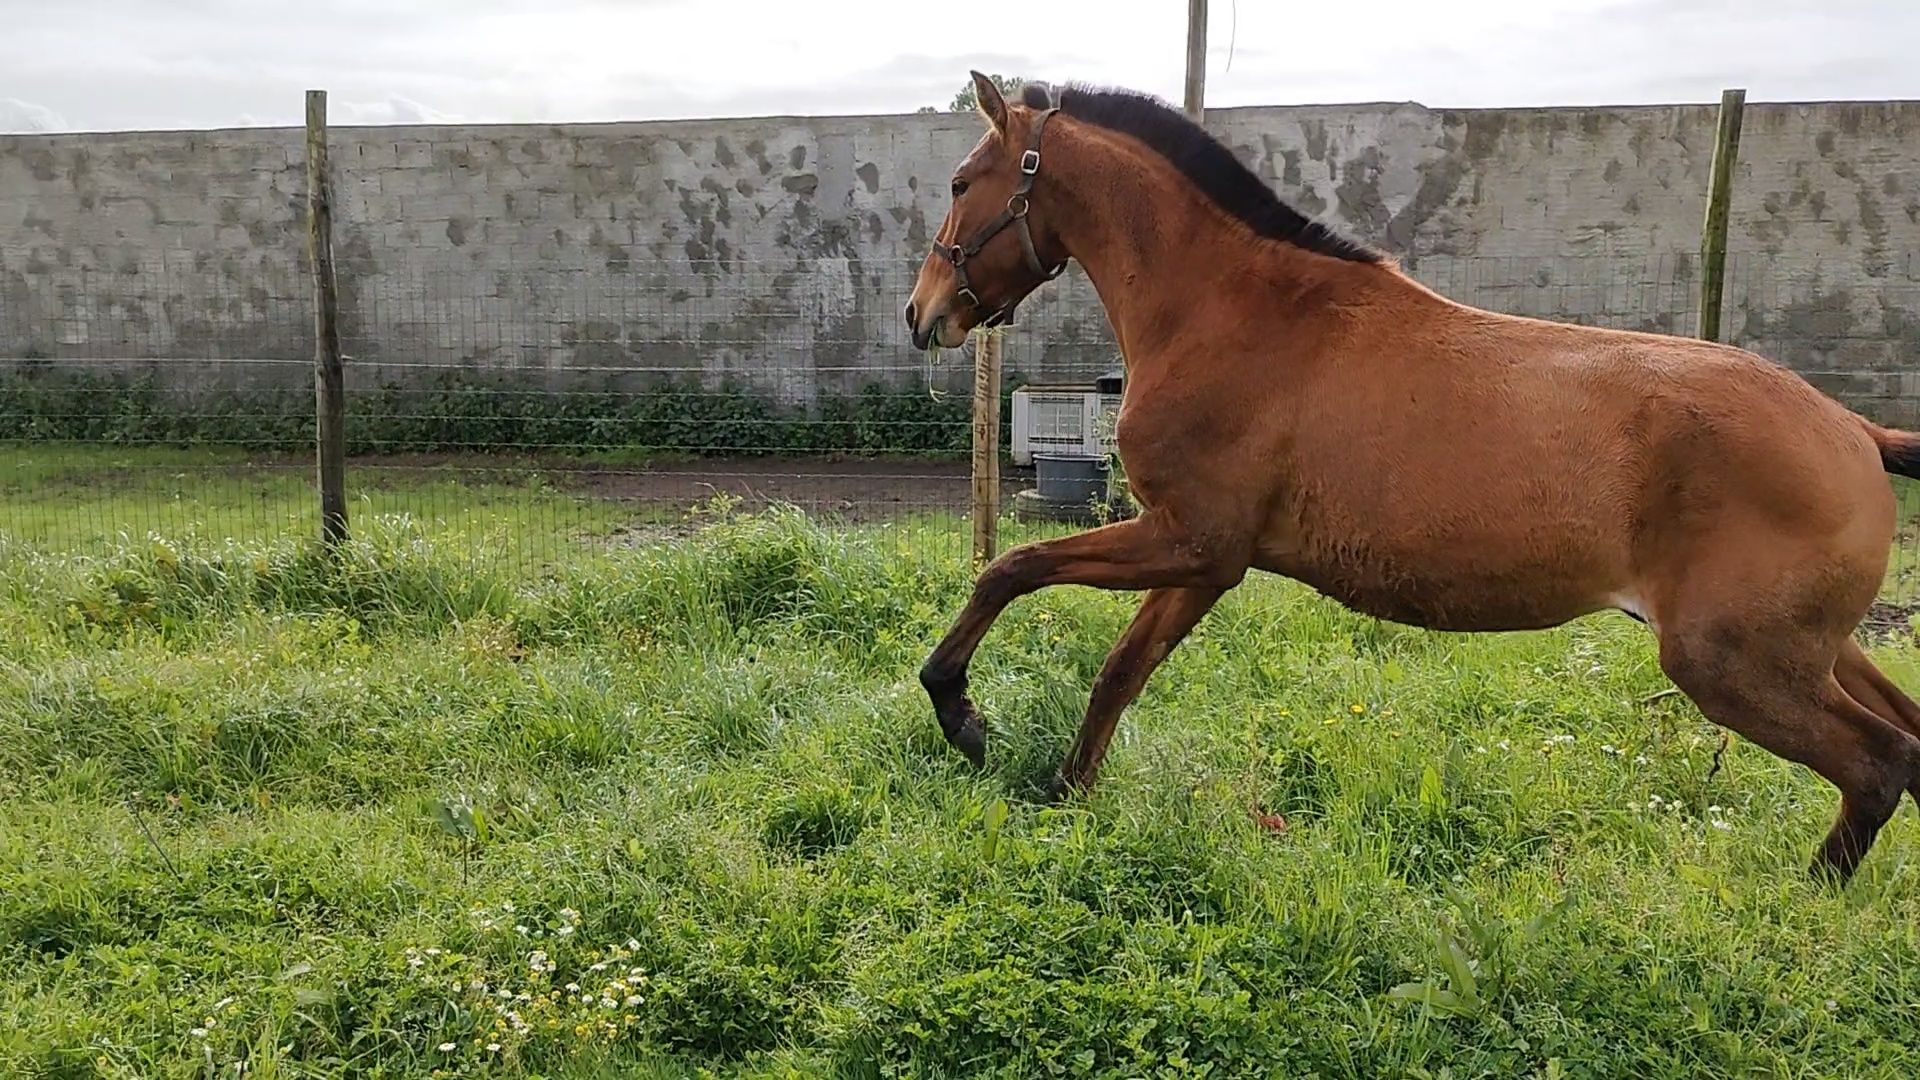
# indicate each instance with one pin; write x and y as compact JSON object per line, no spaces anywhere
{"x":912,"y":322}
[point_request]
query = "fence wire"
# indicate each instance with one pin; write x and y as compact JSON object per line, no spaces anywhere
{"x":526,"y":408}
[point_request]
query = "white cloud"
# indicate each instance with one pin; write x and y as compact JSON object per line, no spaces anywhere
{"x":25,"y":118}
{"x":394,"y":110}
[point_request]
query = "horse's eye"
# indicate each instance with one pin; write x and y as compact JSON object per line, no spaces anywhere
{"x":959,"y":187}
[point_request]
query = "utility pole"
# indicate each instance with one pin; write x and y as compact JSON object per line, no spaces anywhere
{"x":1196,"y":59}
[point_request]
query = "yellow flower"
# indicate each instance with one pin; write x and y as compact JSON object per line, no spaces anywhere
{"x":1358,"y":708}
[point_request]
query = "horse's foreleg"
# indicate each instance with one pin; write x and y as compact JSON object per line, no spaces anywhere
{"x":1165,"y":617}
{"x":1143,"y":553}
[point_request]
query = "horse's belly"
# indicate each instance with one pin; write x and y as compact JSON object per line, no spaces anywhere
{"x":1467,"y":594}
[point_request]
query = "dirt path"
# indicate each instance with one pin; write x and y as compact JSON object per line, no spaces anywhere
{"x":853,"y":488}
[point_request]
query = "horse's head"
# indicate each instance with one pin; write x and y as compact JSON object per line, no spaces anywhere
{"x":994,"y":247}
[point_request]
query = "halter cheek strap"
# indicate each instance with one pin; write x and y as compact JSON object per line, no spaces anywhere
{"x":1015,"y":214}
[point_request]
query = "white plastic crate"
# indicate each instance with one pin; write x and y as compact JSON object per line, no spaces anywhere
{"x":1069,"y":419}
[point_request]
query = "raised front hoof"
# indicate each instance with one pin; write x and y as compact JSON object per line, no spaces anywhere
{"x":966,"y":733}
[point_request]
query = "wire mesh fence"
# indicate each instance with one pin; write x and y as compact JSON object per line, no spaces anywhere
{"x":525,"y":409}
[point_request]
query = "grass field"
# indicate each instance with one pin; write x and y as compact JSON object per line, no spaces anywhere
{"x":680,"y":809}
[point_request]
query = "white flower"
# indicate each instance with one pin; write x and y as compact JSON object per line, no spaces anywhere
{"x":198,"y":1033}
{"x":493,"y":1048}
{"x":608,"y":1003}
{"x":1609,"y":748}
{"x":507,"y":906}
{"x":414,"y":962}
{"x":632,"y":1000}
{"x":446,"y":1048}
{"x":573,"y":988}
{"x":1640,"y":759}
{"x":633,"y":945}
{"x":433,"y":952}
{"x":565,"y":931}
{"x":601,"y":966}
{"x":1718,"y":824}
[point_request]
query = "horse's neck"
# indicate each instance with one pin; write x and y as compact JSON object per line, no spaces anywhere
{"x":1151,"y":245}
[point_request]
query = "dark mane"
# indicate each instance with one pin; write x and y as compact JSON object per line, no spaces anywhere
{"x":1202,"y":159}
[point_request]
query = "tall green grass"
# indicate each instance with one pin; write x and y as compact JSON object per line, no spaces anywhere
{"x":682,"y":810}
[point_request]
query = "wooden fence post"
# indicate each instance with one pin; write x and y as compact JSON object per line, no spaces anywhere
{"x":1713,"y":234}
{"x":329,"y":379}
{"x":986,"y":446}
{"x":1196,"y":90}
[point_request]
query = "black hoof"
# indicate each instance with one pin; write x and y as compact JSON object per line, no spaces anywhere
{"x":1058,"y":791}
{"x":966,"y":734}
{"x":1829,"y":874}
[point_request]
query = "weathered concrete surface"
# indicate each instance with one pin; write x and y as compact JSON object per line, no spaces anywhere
{"x":780,"y":249}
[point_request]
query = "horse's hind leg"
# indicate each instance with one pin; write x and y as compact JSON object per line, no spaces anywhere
{"x":1869,"y":686}
{"x":1778,"y":688}
{"x":1165,"y":617}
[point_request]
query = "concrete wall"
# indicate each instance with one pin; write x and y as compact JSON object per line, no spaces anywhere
{"x":780,"y":248}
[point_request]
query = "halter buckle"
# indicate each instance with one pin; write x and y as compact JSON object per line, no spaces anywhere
{"x":956,"y":255}
{"x":1017,"y":205}
{"x":1030,"y":162}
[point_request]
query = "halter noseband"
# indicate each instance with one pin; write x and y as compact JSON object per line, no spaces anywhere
{"x":1015,"y":214}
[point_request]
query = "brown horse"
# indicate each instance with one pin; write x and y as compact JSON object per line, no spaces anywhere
{"x":1295,"y":404}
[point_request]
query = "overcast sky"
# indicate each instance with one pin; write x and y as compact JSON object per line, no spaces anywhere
{"x":117,"y":64}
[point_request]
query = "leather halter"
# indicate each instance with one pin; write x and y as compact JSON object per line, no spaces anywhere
{"x":1015,"y":214}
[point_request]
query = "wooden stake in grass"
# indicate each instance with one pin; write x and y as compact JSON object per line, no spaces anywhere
{"x":1713,"y":233}
{"x":329,"y":383}
{"x":986,"y":446}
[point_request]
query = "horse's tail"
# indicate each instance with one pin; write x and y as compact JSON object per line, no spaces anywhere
{"x":1899,"y":450}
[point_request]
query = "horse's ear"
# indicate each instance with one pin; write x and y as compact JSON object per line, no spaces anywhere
{"x":987,"y":98}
